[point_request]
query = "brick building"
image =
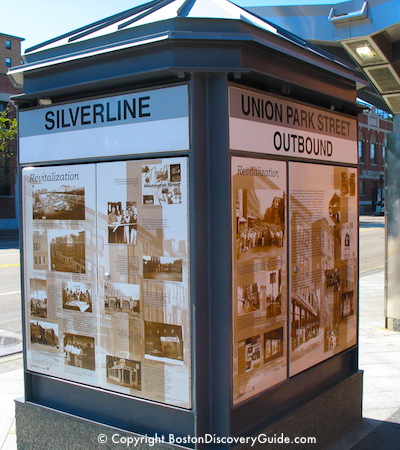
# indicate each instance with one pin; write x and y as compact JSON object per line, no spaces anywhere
{"x":10,"y":55}
{"x":372,"y":136}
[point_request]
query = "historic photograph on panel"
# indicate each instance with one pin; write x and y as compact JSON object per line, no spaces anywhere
{"x":79,"y":351}
{"x":67,"y":251}
{"x":162,"y":268}
{"x":161,"y":184}
{"x":122,"y":297}
{"x":122,"y":222}
{"x":273,"y":294}
{"x":38,"y":297}
{"x":44,"y":333}
{"x":163,"y":340}
{"x":248,"y":298}
{"x":40,"y":250}
{"x":260,"y":224}
{"x":273,"y":344}
{"x":124,"y":372}
{"x":324,"y":263}
{"x":249,"y":351}
{"x":76,"y":296}
{"x":62,"y":203}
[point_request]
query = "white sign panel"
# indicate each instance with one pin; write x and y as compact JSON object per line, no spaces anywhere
{"x":272,"y":125}
{"x":129,"y":124}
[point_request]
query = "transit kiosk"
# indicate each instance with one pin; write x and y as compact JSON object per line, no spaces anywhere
{"x":190,"y":233}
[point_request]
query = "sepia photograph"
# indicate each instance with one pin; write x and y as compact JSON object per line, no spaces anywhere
{"x":273,"y":293}
{"x":332,"y":278}
{"x":163,"y":340}
{"x":273,"y":344}
{"x":79,"y":351}
{"x":334,"y":208}
{"x":124,"y":372}
{"x":161,"y":184}
{"x":260,"y":222}
{"x":38,"y":297}
{"x":67,"y":251}
{"x":162,"y":268}
{"x":122,"y":222}
{"x":76,"y":296}
{"x":305,"y":317}
{"x":63,"y":203}
{"x":249,"y":354}
{"x":331,"y":338}
{"x":44,"y":333}
{"x":347,"y":304}
{"x":122,"y":297}
{"x":248,"y":298}
{"x":348,"y":184}
{"x":40,"y":250}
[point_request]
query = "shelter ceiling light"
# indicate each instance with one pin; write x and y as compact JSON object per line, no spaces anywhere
{"x":366,"y":53}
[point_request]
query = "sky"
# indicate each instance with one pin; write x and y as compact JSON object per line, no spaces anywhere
{"x":40,"y":20}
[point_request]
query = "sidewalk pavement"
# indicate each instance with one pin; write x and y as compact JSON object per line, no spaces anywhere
{"x":379,"y":358}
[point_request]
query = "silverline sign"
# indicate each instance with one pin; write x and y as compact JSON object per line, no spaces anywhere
{"x":133,"y":123}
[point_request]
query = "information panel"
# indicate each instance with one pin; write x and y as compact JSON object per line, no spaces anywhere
{"x":144,"y":278}
{"x":60,"y":272}
{"x":107,"y":276}
{"x":324,"y":255}
{"x":259,"y":302}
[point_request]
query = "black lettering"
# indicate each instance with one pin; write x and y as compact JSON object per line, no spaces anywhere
{"x":127,"y":108}
{"x":143,"y":106}
{"x":49,"y":118}
{"x":309,"y":146}
{"x":246,"y":112}
{"x":98,"y":111}
{"x":278,"y":113}
{"x":311,"y":120}
{"x":289,"y":113}
{"x":85,"y":112}
{"x":108,"y":113}
{"x":300,"y":144}
{"x":277,"y":140}
{"x":255,"y":106}
{"x":63,"y":123}
{"x":74,"y":118}
{"x":320,"y":123}
{"x":329,"y":148}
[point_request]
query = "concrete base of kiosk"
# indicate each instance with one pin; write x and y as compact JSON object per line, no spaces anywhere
{"x":326,"y":417}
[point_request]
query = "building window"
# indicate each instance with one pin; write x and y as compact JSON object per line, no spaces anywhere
{"x":3,"y":106}
{"x":372,"y":153}
{"x":360,"y":146}
{"x":362,"y":188}
{"x":360,"y":151}
{"x":372,"y":150}
{"x":8,"y":62}
{"x":8,"y":44}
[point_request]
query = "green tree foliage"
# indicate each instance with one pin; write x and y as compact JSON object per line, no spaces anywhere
{"x":8,"y":132}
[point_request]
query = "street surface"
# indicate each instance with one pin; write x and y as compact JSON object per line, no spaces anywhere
{"x":372,"y":243}
{"x":10,"y":287}
{"x":372,"y":257}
